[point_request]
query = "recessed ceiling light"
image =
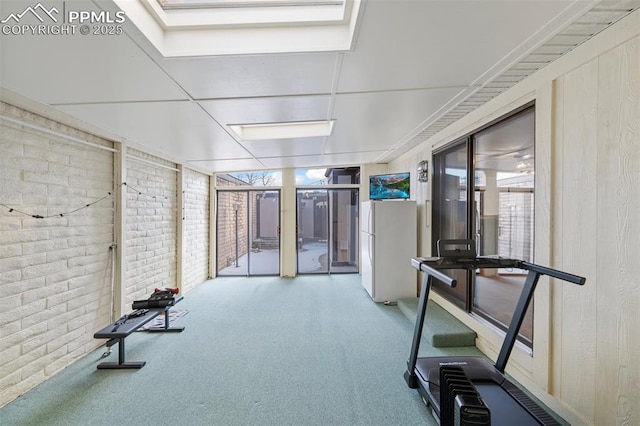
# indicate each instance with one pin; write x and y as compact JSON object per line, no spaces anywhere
{"x":290,"y":130}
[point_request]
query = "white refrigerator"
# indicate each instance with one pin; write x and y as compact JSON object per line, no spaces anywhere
{"x":389,"y":240}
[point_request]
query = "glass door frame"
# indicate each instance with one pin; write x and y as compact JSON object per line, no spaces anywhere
{"x":354,"y":221}
{"x":250,"y":228}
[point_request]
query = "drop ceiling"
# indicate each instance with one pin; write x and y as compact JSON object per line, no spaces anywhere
{"x":409,"y":69}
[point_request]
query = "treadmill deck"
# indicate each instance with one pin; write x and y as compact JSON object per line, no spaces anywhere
{"x":508,"y":404}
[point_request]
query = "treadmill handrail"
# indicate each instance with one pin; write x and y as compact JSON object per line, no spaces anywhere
{"x":431,"y":266}
{"x":554,"y":273}
{"x":445,"y":279}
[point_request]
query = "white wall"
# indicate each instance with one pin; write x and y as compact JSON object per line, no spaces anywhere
{"x":196,"y":217}
{"x":56,"y":273}
{"x":587,"y":222}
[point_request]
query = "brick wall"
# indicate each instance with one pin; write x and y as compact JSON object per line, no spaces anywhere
{"x":226,"y":227}
{"x":196,"y":229}
{"x":151,"y":226}
{"x":54,"y":272}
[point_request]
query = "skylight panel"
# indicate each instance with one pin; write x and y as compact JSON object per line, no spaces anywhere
{"x":205,"y":4}
{"x":180,"y":28}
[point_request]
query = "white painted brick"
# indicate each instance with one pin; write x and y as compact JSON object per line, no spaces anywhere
{"x":7,"y":303}
{"x":42,"y":316}
{"x":41,"y":340}
{"x":24,"y":311}
{"x":44,"y":247}
{"x":63,"y":340}
{"x":25,"y":334}
{"x":25,"y":384}
{"x":64,"y":252}
{"x":9,"y":148}
{"x":43,"y":292}
{"x":81,"y":301}
{"x":43,"y":154}
{"x":10,"y":286}
{"x":27,"y":165}
{"x":10,"y":250}
{"x":22,"y":262}
{"x":45,"y":177}
{"x":8,"y":385}
{"x":90,"y":282}
{"x":64,"y":275}
{"x":58,"y":364}
{"x":62,"y":298}
{"x":21,"y":236}
{"x":43,"y":269}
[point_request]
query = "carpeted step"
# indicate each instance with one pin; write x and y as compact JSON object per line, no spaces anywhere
{"x":441,"y":329}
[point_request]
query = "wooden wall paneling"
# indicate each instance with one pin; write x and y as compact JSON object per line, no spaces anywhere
{"x":618,"y":293}
{"x":576,"y":230}
{"x":555,"y":240}
{"x":542,"y":254}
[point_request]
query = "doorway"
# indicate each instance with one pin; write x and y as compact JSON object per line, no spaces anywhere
{"x":327,"y":231}
{"x":248,"y":233}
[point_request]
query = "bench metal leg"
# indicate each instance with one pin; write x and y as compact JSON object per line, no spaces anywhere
{"x":166,"y":327}
{"x":121,"y":360}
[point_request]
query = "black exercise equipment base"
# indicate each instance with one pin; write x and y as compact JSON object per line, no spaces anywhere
{"x":508,"y":405}
{"x":116,"y":366}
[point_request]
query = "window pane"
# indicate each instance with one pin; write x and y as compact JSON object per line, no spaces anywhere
{"x":332,"y":176}
{"x":504,"y":207}
{"x":450,"y":213}
{"x":255,"y":178}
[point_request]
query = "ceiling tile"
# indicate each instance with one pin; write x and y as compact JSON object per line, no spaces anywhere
{"x":181,"y":130}
{"x":231,"y":165}
{"x":82,"y":69}
{"x":254,"y":75}
{"x":377,"y":121}
{"x":268,"y":110}
{"x":426,"y":44}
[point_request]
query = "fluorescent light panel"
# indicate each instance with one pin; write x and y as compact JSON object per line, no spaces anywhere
{"x":291,"y":130}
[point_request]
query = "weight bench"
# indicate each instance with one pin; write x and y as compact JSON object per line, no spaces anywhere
{"x":118,"y":331}
{"x":166,"y":327}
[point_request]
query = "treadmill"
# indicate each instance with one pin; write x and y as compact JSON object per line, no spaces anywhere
{"x":469,"y":390}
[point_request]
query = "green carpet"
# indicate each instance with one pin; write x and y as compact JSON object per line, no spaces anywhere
{"x":313,"y":350}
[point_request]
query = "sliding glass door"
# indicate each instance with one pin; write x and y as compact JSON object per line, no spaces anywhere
{"x":327,"y":223}
{"x":248,"y":232}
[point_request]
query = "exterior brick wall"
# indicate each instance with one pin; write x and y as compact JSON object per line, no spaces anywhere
{"x":226,"y":227}
{"x":55,"y":273}
{"x":196,"y":229}
{"x":151,"y":226}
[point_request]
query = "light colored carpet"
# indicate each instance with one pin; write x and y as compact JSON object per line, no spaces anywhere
{"x":314,"y":350}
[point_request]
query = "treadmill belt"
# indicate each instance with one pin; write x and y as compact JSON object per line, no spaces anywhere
{"x":505,"y":411}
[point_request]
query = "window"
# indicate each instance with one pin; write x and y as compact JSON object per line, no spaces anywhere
{"x":495,"y":208}
{"x":252,"y":178}
{"x":332,"y":176}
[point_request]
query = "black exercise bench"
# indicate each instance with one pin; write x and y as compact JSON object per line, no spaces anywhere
{"x":118,"y":331}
